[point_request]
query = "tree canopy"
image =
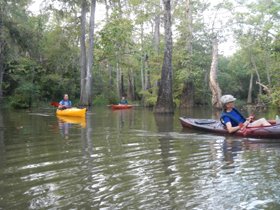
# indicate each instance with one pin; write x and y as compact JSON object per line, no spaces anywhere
{"x":124,"y":51}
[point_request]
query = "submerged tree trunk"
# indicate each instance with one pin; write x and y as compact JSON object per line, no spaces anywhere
{"x":165,"y":98}
{"x":214,"y":85}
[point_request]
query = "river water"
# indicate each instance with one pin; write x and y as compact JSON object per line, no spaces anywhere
{"x":131,"y":159}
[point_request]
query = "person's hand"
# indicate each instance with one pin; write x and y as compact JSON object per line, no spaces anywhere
{"x":250,"y":118}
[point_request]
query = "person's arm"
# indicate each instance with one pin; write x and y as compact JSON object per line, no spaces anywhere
{"x":241,"y":126}
{"x":60,"y":104}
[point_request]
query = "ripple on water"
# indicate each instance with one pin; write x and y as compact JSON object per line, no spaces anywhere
{"x":140,"y":169}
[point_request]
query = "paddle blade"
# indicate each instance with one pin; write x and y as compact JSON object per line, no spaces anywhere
{"x":56,"y":104}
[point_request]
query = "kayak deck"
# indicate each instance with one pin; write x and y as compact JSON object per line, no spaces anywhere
{"x":214,"y":126}
{"x":73,"y":112}
{"x":121,"y":106}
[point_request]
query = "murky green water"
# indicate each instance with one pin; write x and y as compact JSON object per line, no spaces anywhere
{"x":131,"y":159}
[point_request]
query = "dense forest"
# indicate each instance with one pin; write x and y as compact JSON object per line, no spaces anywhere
{"x":160,"y":53}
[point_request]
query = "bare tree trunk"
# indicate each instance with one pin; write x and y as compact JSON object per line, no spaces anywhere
{"x":147,"y":73}
{"x":258,"y":75}
{"x":131,"y":93}
{"x":110,"y":68}
{"x":2,"y":57}
{"x":165,"y":98}
{"x":2,"y":51}
{"x":118,"y":79}
{"x":267,"y":68}
{"x":142,"y":59}
{"x":107,"y":10}
{"x":214,"y":85}
{"x":90,"y":54}
{"x":83,"y":59}
{"x":157,"y":34}
{"x":249,"y":98}
{"x":190,"y":26}
{"x":122,"y":86}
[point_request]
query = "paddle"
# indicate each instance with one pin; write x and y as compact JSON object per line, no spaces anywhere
{"x":56,"y":104}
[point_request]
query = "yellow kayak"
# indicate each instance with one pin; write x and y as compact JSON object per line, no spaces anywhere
{"x":73,"y":112}
{"x":73,"y":120}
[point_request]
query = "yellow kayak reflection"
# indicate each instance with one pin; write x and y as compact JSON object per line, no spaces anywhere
{"x":73,"y":120}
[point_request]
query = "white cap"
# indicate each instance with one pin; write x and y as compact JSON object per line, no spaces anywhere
{"x":227,"y":98}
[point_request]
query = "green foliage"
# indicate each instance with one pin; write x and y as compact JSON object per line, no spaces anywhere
{"x":150,"y":99}
{"x":275,"y":99}
{"x":100,"y":100}
{"x":24,"y":95}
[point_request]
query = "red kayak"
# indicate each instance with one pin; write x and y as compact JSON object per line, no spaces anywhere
{"x":121,"y":106}
{"x":214,"y":126}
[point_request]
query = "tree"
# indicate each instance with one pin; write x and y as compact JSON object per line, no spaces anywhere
{"x":87,"y":64}
{"x":214,"y":85}
{"x":187,"y":97}
{"x":165,"y":98}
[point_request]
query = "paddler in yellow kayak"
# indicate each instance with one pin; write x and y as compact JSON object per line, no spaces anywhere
{"x":65,"y":103}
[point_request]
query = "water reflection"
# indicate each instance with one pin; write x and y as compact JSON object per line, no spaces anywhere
{"x":65,"y":123}
{"x":133,"y":160}
{"x":123,"y":116}
{"x":231,"y":148}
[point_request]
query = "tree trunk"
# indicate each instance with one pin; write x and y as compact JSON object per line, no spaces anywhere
{"x":258,"y":75}
{"x":267,"y":67}
{"x":83,"y":60}
{"x":249,"y":98}
{"x":165,"y":98}
{"x":147,"y":73}
{"x":187,"y":97}
{"x":157,"y":34}
{"x":122,"y":86}
{"x":189,"y":26}
{"x":2,"y":51}
{"x":90,"y":54}
{"x":86,"y":94}
{"x":107,"y":10}
{"x":142,"y":59}
{"x":214,"y":85}
{"x":118,"y":78}
{"x":131,"y":93}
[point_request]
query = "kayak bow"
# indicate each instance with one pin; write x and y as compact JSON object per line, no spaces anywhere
{"x":74,"y":112}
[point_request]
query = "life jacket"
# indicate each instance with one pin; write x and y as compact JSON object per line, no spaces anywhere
{"x":225,"y":114}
